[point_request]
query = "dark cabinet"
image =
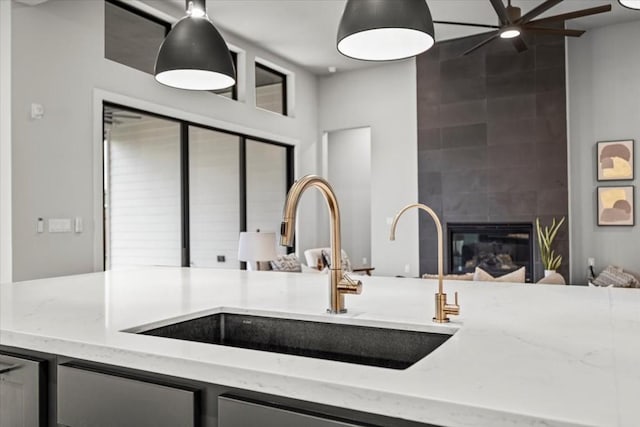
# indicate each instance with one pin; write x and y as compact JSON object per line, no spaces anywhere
{"x":88,"y":398}
{"x":235,"y":412}
{"x":22,"y":392}
{"x":38,"y":390}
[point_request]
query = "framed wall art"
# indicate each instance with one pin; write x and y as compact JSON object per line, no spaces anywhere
{"x":616,"y":205}
{"x":615,"y":160}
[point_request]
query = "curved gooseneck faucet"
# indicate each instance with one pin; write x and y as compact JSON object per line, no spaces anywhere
{"x":443,"y":310}
{"x":339,"y":283}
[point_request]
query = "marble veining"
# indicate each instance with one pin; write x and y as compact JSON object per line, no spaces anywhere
{"x":521,"y":355}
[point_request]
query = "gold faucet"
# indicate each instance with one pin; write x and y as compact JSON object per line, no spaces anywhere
{"x":339,"y":283}
{"x":443,"y":310}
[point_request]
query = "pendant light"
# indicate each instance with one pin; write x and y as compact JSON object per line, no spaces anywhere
{"x":194,"y":55}
{"x":384,"y":30}
{"x":631,"y":4}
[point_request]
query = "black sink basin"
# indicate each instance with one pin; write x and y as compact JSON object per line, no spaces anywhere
{"x":387,"y":348}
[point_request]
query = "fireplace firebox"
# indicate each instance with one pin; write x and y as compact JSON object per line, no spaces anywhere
{"x":496,"y":248}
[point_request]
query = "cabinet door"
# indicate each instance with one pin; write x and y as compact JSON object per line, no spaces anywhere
{"x":87,"y":398}
{"x":234,"y":412}
{"x":20,"y":392}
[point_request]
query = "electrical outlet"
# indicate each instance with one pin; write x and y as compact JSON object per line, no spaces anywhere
{"x":364,"y":261}
{"x":591,"y":262}
{"x":407,"y":268}
{"x":222,"y":258}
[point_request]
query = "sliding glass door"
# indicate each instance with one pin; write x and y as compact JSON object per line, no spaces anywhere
{"x":214,"y":194}
{"x":266,"y":187}
{"x":179,"y":194}
{"x":142,"y":191}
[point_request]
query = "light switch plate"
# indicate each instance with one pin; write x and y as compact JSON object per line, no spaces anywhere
{"x":78,"y":225}
{"x":60,"y":225}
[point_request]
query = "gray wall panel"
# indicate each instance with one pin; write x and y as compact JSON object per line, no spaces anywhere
{"x":492,"y":144}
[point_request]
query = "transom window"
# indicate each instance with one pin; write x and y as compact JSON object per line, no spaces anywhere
{"x":132,"y":37}
{"x":271,"y":89}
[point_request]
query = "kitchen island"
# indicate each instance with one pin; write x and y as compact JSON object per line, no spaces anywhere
{"x":520,"y":355}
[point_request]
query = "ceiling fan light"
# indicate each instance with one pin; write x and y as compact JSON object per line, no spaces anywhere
{"x":194,"y":56}
{"x":510,"y":33}
{"x":382,"y":30}
{"x":631,"y":4}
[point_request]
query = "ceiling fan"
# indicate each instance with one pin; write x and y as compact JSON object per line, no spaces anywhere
{"x":112,"y":116}
{"x":512,"y":23}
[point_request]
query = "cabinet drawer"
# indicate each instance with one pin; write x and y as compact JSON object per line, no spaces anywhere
{"x":235,"y":412}
{"x":88,"y":398}
{"x":21,"y":392}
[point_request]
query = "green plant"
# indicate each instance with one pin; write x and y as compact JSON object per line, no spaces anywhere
{"x":550,"y":260}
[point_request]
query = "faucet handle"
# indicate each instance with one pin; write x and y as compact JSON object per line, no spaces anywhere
{"x":349,"y":286}
{"x":453,"y":309}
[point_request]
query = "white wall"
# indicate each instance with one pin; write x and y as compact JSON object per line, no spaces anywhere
{"x":383,"y":98}
{"x":5,"y":142}
{"x":604,"y":104}
{"x":348,"y":169}
{"x":58,"y":61}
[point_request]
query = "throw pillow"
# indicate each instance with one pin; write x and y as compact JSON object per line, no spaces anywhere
{"x":616,"y":277}
{"x":517,"y":276}
{"x":465,"y":276}
{"x":286,"y":263}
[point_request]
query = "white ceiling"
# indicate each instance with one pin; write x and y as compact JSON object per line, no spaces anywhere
{"x":304,"y":31}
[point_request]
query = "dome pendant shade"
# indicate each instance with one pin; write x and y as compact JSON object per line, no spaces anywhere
{"x":194,"y":56}
{"x":631,"y":4}
{"x":383,"y":30}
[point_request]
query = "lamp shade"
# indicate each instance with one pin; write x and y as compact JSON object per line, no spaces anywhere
{"x":383,"y":30}
{"x":256,"y":246}
{"x":195,"y":56}
{"x":631,"y":4}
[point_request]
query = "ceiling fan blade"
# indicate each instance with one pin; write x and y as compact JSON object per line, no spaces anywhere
{"x":538,"y":10}
{"x":127,"y":116}
{"x":573,"y":15}
{"x":519,"y":44}
{"x":501,"y":10}
{"x":482,"y":43}
{"x":555,"y":31}
{"x":466,"y":24}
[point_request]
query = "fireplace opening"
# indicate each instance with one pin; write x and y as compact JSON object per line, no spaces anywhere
{"x":496,"y":248}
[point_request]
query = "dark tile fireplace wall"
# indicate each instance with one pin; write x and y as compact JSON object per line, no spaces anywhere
{"x":492,"y":138}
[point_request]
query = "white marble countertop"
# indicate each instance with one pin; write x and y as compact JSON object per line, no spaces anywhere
{"x":523,"y":355}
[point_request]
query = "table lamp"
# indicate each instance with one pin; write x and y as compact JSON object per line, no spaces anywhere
{"x":255,"y":247}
